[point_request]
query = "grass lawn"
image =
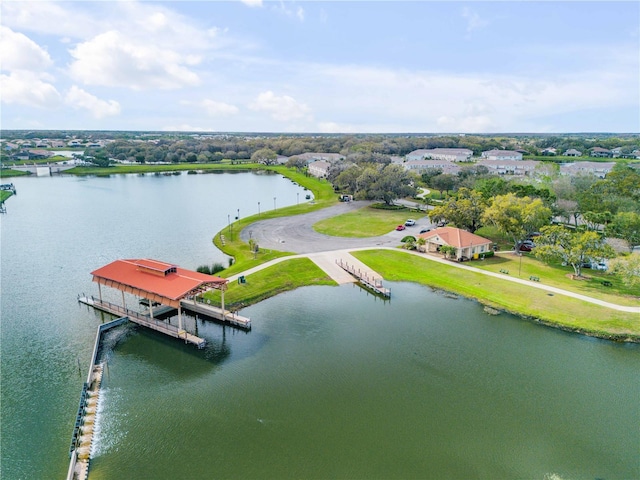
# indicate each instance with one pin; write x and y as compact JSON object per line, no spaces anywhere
{"x":365,"y":222}
{"x":7,"y":172}
{"x":228,"y":240}
{"x":282,"y":277}
{"x":4,"y":194}
{"x":557,"y":276}
{"x":557,"y":310}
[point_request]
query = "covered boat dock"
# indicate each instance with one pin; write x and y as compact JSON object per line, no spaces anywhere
{"x":162,"y":283}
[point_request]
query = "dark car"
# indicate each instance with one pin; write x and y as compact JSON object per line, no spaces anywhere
{"x":425,"y":230}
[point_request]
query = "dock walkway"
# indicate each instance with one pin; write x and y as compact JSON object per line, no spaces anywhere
{"x":144,"y":320}
{"x":363,"y":274}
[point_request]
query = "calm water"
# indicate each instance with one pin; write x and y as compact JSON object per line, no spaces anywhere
{"x":330,"y":383}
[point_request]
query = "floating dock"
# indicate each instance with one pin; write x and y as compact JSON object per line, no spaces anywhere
{"x":145,"y":320}
{"x":367,"y":278}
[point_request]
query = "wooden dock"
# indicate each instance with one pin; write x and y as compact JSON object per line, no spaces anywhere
{"x":366,"y":277}
{"x":197,"y":305}
{"x":144,"y":320}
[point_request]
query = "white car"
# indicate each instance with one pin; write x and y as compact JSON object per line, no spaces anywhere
{"x":410,"y":223}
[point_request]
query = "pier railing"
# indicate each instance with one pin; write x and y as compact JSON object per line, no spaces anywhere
{"x":371,"y":281}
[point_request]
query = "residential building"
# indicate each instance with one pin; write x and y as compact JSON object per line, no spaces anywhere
{"x":468,"y":245}
{"x":599,"y":169}
{"x":420,"y":166}
{"x":510,"y":167}
{"x":327,"y":157}
{"x":502,"y":155}
{"x":549,"y":151}
{"x":420,"y":154}
{"x":572,"y":152}
{"x":600,"y":152}
{"x":319,"y":169}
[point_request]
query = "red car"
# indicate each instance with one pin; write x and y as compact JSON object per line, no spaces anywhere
{"x":400,"y":228}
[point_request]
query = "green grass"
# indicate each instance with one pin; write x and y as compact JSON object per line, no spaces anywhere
{"x":282,"y":277}
{"x":556,"y":310}
{"x":228,"y":240}
{"x":362,"y":223}
{"x":556,"y":275}
{"x":4,"y":194}
{"x":7,"y":172}
{"x":493,"y":234}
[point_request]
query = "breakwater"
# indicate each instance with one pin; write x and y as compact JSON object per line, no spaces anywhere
{"x":84,"y":427}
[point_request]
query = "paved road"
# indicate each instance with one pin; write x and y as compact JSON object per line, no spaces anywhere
{"x":295,"y":234}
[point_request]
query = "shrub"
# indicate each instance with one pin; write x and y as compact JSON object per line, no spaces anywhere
{"x":486,"y":254}
{"x":408,"y":238}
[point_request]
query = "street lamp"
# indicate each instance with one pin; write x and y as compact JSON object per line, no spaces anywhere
{"x":520,"y":266}
{"x":258,"y":208}
{"x":274,"y":203}
{"x":297,"y":198}
{"x":238,"y":217}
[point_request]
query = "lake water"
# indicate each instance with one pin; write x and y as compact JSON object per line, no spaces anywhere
{"x":331,"y":382}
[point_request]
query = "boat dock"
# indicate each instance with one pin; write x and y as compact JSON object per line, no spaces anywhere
{"x":199,"y":305}
{"x":145,"y":320}
{"x":365,"y":276}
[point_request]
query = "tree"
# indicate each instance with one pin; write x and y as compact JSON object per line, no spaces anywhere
{"x":428,"y":174}
{"x":628,"y":268}
{"x":264,"y":155}
{"x":448,"y":251}
{"x":517,"y":217}
{"x":625,"y":225}
{"x":444,"y":182}
{"x":392,"y":182}
{"x":348,"y":179}
{"x":465,"y":211}
{"x":295,"y":162}
{"x":572,"y":247}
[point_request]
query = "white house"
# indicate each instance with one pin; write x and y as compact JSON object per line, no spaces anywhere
{"x":510,"y":167}
{"x":314,"y":156}
{"x":502,"y":155}
{"x":319,"y":168}
{"x":448,"y":154}
{"x":420,"y":166}
{"x":572,"y":152}
{"x":599,"y":169}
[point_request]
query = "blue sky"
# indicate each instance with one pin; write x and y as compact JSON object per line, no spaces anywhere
{"x":307,"y":66}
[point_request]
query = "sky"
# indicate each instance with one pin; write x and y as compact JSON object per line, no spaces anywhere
{"x":321,"y":67}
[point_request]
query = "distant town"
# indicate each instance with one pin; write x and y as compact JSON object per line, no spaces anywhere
{"x":325,"y":156}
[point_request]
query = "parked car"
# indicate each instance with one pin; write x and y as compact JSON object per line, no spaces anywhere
{"x":599,"y":266}
{"x":400,"y":228}
{"x":425,"y":230}
{"x":524,"y":247}
{"x":410,"y":223}
{"x":442,"y":224}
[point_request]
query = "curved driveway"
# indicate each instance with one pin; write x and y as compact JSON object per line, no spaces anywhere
{"x":296,"y":234}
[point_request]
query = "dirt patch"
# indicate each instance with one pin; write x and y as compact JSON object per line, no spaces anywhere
{"x":571,"y":276}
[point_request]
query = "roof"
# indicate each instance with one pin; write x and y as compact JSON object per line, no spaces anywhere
{"x":501,"y":153}
{"x":159,"y":281}
{"x":455,"y":237}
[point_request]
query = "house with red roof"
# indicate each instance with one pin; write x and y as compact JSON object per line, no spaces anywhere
{"x":468,"y":245}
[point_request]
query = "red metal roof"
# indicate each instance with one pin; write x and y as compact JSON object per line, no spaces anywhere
{"x":155,"y":279}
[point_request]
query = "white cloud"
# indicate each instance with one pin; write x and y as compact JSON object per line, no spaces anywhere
{"x":19,"y":52}
{"x":297,"y":12}
{"x":474,"y":22}
{"x":219,"y":108}
{"x":26,"y":88}
{"x":283,"y":108}
{"x":186,"y":128}
{"x":78,"y":98}
{"x":116,"y":60}
{"x":252,"y":3}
